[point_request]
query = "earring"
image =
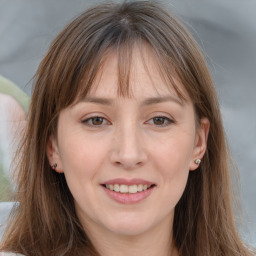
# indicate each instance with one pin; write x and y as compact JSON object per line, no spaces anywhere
{"x":198,"y":161}
{"x":54,"y":166}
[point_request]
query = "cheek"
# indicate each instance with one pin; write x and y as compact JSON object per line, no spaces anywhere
{"x":81,"y":158}
{"x":173,"y":179}
{"x":81,"y":165}
{"x":171,"y":160}
{"x":175,"y":152}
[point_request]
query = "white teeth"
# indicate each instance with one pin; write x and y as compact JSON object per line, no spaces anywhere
{"x":140,"y":187}
{"x":116,"y":187}
{"x":132,"y":189}
{"x":124,"y":188}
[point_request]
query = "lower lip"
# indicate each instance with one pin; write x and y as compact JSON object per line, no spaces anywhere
{"x":128,"y":198}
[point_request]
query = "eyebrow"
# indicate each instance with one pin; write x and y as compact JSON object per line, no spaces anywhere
{"x":161,"y":99}
{"x":146,"y":102}
{"x":102,"y":101}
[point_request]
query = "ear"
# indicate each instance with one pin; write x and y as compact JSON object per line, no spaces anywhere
{"x":200,"y":143}
{"x":53,"y":155}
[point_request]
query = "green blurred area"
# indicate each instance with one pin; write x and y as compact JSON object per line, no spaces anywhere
{"x":5,"y":186}
{"x":7,"y":87}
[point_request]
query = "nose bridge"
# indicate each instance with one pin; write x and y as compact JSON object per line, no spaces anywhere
{"x":128,"y":149}
{"x":129,"y":139}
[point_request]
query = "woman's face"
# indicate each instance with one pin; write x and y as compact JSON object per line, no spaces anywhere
{"x":127,"y":160}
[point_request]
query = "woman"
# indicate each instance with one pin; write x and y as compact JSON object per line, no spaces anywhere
{"x":124,"y":144}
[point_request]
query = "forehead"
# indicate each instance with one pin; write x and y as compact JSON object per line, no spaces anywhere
{"x":144,"y":76}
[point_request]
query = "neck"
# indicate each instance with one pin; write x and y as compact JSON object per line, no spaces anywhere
{"x":155,"y":242}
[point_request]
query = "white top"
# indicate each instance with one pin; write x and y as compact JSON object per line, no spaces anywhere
{"x":9,"y":254}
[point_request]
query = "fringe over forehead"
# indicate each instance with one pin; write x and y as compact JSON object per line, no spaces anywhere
{"x":77,"y":54}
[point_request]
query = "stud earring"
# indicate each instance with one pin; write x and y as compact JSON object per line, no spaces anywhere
{"x":198,"y":161}
{"x":54,"y":166}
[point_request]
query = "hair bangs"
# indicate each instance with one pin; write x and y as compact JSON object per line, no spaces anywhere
{"x":121,"y":36}
{"x":126,"y":49}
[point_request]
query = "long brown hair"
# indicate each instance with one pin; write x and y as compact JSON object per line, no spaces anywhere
{"x":44,"y":222}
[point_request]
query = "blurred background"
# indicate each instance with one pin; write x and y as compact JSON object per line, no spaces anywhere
{"x":226,"y":31}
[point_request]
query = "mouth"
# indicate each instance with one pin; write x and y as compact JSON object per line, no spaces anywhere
{"x":128,"y":189}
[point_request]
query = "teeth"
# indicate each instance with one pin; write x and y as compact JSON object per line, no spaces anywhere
{"x":132,"y":189}
{"x":123,"y":188}
{"x":116,"y":188}
{"x":140,"y":188}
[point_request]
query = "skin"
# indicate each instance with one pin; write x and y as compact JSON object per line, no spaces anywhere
{"x":129,"y":142}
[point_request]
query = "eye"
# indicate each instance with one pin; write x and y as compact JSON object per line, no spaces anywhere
{"x":95,"y":121}
{"x":161,"y":121}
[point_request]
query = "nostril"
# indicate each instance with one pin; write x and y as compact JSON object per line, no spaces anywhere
{"x":128,"y":165}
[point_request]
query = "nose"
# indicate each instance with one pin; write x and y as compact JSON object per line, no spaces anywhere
{"x":128,"y":149}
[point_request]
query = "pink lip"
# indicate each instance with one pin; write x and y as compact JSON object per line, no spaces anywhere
{"x":128,"y":198}
{"x":128,"y":182}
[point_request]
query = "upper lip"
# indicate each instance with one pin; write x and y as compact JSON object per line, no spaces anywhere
{"x":128,"y":182}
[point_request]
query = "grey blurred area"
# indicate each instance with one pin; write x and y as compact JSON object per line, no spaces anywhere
{"x":5,"y":209}
{"x":226,"y":32}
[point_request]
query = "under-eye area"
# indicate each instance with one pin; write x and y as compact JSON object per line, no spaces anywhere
{"x":132,"y":189}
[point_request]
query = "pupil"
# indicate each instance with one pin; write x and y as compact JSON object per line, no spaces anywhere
{"x":159,"y":120}
{"x":97,"y":120}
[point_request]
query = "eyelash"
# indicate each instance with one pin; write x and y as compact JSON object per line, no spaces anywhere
{"x":167,"y":121}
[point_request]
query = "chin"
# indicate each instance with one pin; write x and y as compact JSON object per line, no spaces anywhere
{"x":130,"y":227}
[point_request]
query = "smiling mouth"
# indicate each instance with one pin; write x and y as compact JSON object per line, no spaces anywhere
{"x":127,"y":189}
